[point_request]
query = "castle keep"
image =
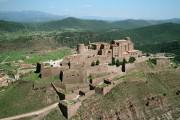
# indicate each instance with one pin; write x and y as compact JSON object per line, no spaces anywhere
{"x":117,"y":48}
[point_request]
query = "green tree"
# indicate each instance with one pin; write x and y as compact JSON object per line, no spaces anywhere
{"x":147,"y":54}
{"x":118,"y":63}
{"x":113,"y":61}
{"x":97,"y":62}
{"x":124,"y":65}
{"x":90,"y":78}
{"x":132,"y":59}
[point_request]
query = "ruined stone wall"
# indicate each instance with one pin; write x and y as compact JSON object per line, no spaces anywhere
{"x":50,"y":72}
{"x":69,"y":110}
{"x":97,"y":69}
{"x":102,"y":59}
{"x":91,"y":52}
{"x":104,"y":90}
{"x":74,"y":76}
{"x":76,"y":59}
{"x":107,"y":89}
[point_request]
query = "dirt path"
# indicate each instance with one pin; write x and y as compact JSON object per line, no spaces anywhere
{"x":35,"y":113}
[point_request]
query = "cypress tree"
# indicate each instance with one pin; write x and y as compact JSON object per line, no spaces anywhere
{"x":124,"y":65}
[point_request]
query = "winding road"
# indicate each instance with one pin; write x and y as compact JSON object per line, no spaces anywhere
{"x":35,"y":113}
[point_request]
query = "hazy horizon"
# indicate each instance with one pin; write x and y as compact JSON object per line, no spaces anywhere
{"x":122,"y":9}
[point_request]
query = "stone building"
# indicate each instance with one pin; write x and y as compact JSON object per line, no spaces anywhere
{"x":117,"y":48}
{"x":76,"y":68}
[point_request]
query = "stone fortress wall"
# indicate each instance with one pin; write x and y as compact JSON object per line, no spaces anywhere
{"x":76,"y":68}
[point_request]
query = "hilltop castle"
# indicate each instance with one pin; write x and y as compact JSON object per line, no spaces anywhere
{"x":117,"y":48}
{"x":76,"y":68}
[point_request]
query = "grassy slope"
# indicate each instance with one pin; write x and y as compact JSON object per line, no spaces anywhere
{"x":55,"y":115}
{"x":15,"y":56}
{"x":20,"y":98}
{"x":162,"y":86}
{"x":33,"y":57}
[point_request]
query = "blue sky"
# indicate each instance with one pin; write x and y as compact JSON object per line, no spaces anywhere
{"x":136,"y":9}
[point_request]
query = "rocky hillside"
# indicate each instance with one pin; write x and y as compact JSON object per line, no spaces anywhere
{"x":148,"y":92}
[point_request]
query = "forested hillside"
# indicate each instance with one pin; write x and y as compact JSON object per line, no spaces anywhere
{"x":10,"y":26}
{"x":71,"y":31}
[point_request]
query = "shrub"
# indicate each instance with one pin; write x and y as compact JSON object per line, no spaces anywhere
{"x":118,"y":63}
{"x":132,"y":59}
{"x":147,"y":54}
{"x":93,"y":63}
{"x":97,"y":62}
{"x":113,"y":61}
{"x":153,"y":61}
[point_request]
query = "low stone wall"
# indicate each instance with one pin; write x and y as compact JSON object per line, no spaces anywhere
{"x":87,"y":94}
{"x":49,"y":72}
{"x":96,"y":81}
{"x":103,"y":90}
{"x":4,"y":80}
{"x":64,"y":96}
{"x":70,"y":96}
{"x":72,"y":87}
{"x":69,"y":110}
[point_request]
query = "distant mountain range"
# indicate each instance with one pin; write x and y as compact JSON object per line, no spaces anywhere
{"x":40,"y":21}
{"x":29,"y":16}
{"x":36,"y":16}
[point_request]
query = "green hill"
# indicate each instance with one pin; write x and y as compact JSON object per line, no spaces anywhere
{"x":11,"y":26}
{"x":156,"y":33}
{"x":33,"y":36}
{"x":141,"y":36}
{"x":131,"y":24}
{"x":74,"y":23}
{"x":94,"y":24}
